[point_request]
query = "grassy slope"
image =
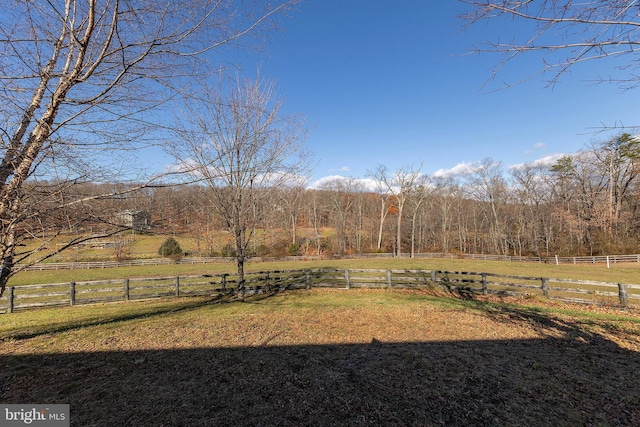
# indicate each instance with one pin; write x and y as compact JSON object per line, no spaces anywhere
{"x":326,"y":357}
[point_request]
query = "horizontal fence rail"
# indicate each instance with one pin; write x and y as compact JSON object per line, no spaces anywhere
{"x":608,"y":259}
{"x":461,"y":283}
{"x":600,"y":259}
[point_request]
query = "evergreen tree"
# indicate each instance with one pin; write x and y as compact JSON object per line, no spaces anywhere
{"x":170,"y":247}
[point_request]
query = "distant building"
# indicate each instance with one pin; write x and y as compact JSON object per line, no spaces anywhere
{"x":138,"y":220}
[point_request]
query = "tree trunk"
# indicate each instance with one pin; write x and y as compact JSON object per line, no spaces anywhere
{"x":399,"y":231}
{"x":241,"y":288}
{"x":241,"y":255}
{"x":413,"y":234}
{"x":8,"y":248}
{"x":294,"y":223}
{"x":383,"y":214}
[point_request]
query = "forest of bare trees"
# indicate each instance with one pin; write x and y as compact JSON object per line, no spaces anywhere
{"x":583,"y":204}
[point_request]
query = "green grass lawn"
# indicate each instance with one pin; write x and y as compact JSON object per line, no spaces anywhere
{"x":327,"y":357}
{"x":619,"y":273}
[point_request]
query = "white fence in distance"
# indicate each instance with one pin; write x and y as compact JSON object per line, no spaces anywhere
{"x":600,"y":259}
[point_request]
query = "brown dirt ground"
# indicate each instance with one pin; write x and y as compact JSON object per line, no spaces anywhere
{"x":376,"y":358}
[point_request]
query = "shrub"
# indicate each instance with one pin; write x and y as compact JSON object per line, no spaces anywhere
{"x":170,"y":247}
{"x":228,"y":250}
{"x":261,"y":250}
{"x":293,"y":249}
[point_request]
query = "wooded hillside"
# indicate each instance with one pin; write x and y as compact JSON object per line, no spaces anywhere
{"x":584,"y":204}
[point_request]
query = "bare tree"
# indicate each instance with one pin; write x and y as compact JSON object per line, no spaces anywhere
{"x":584,"y":187}
{"x":565,"y":33}
{"x":421,"y":189}
{"x":316,"y":217}
{"x":534,"y":195}
{"x":81,"y":77}
{"x":400,"y":185}
{"x":620,"y":158}
{"x":384,"y":210}
{"x":341,"y":193}
{"x":291,"y":200}
{"x":487,"y":186}
{"x":237,"y":141}
{"x":593,"y":187}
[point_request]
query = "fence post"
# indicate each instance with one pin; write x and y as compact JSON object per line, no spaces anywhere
{"x":72,"y":293}
{"x":266,"y":283}
{"x":307,"y":280}
{"x":10,"y":300}
{"x":346,"y":279}
{"x":177,"y":286}
{"x":545,"y":287}
{"x":484,"y":283}
{"x":389,"y":279}
{"x":622,"y":293}
{"x":224,"y":283}
{"x":434,"y":279}
{"x":126,"y":289}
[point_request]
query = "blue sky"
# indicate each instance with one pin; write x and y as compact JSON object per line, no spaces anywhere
{"x":395,"y":85}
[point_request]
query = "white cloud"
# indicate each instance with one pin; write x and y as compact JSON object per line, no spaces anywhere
{"x":546,"y":161}
{"x":284,"y":179}
{"x":325,"y":180}
{"x":183,"y":166}
{"x":460,"y":169}
{"x":366,"y":184}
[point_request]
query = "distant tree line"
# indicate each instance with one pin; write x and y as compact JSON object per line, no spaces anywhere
{"x":586,"y":203}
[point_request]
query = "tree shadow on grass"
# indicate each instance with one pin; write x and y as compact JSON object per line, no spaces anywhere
{"x":185,"y":304}
{"x":136,"y":313}
{"x":551,"y":381}
{"x":543,"y":323}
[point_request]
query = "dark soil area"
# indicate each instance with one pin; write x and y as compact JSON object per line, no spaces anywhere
{"x":393,"y":363}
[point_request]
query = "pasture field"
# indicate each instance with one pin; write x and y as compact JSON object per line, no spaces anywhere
{"x":619,"y":273}
{"x":327,"y":357}
{"x":142,"y":246}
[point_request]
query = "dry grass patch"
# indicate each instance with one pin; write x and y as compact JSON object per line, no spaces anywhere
{"x":328,"y":357}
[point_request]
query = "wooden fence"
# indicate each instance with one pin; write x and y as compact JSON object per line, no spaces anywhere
{"x":609,"y":259}
{"x":590,"y":259}
{"x":457,"y":282}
